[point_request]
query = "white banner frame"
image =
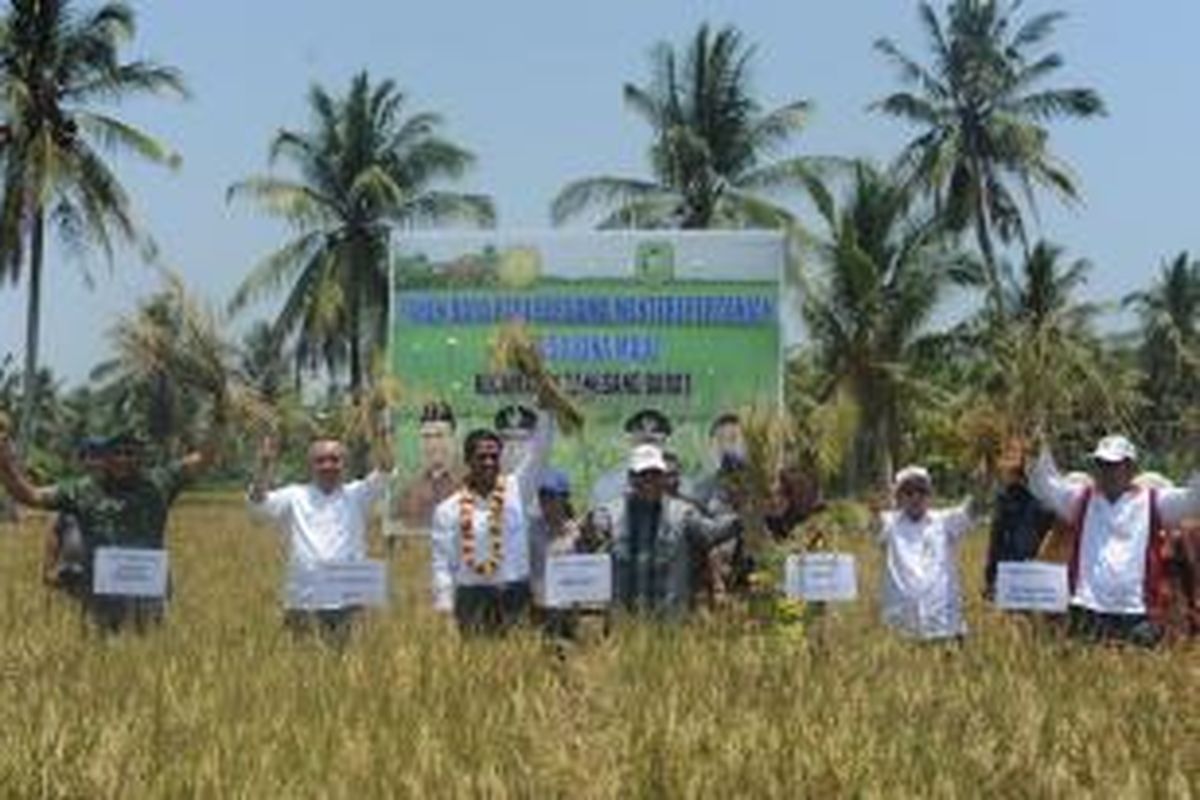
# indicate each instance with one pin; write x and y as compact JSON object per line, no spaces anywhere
{"x":821,"y":577}
{"x":579,"y":580}
{"x":337,"y":584}
{"x":1032,"y":586}
{"x":130,"y":572}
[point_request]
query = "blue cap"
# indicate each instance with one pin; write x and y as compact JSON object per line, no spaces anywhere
{"x":555,"y":481}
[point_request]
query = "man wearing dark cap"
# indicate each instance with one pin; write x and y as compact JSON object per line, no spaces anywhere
{"x":437,"y":479}
{"x":125,"y":504}
{"x":648,"y":426}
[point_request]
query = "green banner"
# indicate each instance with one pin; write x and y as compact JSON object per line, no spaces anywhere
{"x":688,"y":324}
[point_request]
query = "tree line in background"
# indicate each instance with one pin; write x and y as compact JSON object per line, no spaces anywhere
{"x":877,"y":248}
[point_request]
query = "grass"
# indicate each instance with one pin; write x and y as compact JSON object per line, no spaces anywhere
{"x":221,"y":703}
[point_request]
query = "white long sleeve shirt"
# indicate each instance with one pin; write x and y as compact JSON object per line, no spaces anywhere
{"x":520,"y":493}
{"x":922,"y":594}
{"x":1114,"y":537}
{"x":320,"y":527}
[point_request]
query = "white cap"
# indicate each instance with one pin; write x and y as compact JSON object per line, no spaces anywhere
{"x":1114,"y":450}
{"x":646,"y":457}
{"x":912,"y":474}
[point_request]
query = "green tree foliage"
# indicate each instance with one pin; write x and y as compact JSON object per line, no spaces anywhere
{"x":867,"y":310}
{"x":365,"y":167}
{"x":982,"y":150}
{"x":712,"y":146}
{"x":1169,"y":352}
{"x":58,"y":64}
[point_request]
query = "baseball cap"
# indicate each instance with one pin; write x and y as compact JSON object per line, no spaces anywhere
{"x":1114,"y":450}
{"x":556,"y":482}
{"x":646,"y":458}
{"x":912,"y":474}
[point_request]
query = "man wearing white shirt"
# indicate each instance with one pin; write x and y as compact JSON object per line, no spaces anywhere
{"x":323,"y":521}
{"x":1116,"y":568}
{"x":922,"y":591}
{"x":480,"y":534}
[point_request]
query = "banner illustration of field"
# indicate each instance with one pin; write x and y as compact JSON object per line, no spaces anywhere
{"x":687,"y":323}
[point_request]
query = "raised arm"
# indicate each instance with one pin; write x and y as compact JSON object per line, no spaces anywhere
{"x":1176,"y":505}
{"x":14,"y":479}
{"x":198,"y":461}
{"x":529,"y":471}
{"x":264,"y":470}
{"x":1049,"y":487}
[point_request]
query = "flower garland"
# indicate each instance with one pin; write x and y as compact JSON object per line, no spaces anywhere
{"x":495,"y":556}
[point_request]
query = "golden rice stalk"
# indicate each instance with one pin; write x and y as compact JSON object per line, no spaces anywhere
{"x":768,"y":435}
{"x":514,"y":348}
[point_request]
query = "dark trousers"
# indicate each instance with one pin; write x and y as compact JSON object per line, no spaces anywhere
{"x":331,"y":626}
{"x":114,"y":614}
{"x":491,"y":610}
{"x":1097,"y":627}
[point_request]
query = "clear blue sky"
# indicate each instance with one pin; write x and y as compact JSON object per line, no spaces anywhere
{"x":533,"y":87}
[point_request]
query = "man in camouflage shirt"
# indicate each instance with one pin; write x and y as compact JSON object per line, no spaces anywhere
{"x":125,"y":504}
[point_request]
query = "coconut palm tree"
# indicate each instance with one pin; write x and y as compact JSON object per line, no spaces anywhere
{"x":710,"y":155}
{"x":1169,"y":353}
{"x":866,"y":311}
{"x":58,"y":64}
{"x":982,"y":150}
{"x":364,"y":168}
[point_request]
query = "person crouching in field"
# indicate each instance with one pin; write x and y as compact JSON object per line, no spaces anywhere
{"x":1116,"y":569}
{"x":322,"y":521}
{"x":922,"y":592}
{"x":480,"y":534}
{"x":124,"y":503}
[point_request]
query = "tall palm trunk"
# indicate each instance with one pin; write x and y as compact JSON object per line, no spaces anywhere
{"x":983,"y":237}
{"x":37,"y":241}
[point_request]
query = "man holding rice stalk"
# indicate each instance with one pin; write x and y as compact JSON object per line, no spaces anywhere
{"x":1116,"y":567}
{"x":125,"y":503}
{"x":480,"y":534}
{"x":322,"y":521}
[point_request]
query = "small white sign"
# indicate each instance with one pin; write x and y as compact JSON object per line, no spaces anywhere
{"x":821,"y":577}
{"x":578,"y":580}
{"x":337,"y":584}
{"x":130,"y":572}
{"x":1031,"y":586}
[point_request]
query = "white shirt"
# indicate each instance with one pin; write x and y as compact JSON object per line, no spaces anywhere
{"x":320,"y":527}
{"x":922,"y":595}
{"x":1115,"y":535}
{"x":520,"y":493}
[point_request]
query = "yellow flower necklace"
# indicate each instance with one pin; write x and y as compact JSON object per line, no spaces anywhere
{"x":495,"y":555}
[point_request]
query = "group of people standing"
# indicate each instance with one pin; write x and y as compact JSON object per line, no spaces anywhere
{"x":1120,"y":535}
{"x":494,"y":525}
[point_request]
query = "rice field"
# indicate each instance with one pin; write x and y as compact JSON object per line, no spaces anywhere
{"x":222,"y":702}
